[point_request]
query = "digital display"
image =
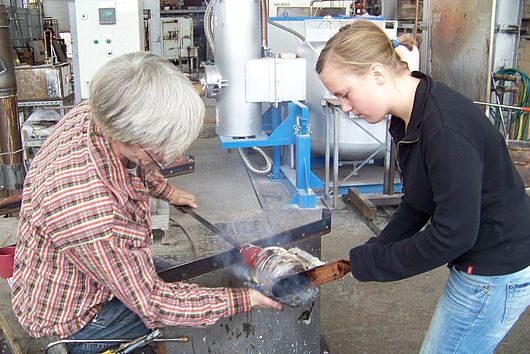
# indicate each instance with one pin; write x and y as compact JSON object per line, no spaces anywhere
{"x":107,"y":16}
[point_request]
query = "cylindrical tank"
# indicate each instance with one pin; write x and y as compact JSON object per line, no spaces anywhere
{"x":354,"y":142}
{"x":237,"y":39}
{"x":10,"y":140}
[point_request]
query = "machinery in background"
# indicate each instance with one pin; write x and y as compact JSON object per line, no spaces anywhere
{"x":10,"y":141}
{"x":244,"y":76}
{"x":306,"y":37}
{"x":178,"y":43}
{"x":177,"y":36}
{"x":102,"y":30}
{"x":305,"y":8}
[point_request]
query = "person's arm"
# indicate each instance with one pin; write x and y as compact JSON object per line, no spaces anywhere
{"x":160,"y":188}
{"x":123,"y":264}
{"x":405,"y":222}
{"x":455,"y":175}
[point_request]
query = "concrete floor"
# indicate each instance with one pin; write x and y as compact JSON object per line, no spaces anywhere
{"x":355,"y":317}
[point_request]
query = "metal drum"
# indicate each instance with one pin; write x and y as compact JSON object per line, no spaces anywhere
{"x":236,"y":39}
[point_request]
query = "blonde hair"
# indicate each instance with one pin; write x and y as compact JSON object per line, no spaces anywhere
{"x":359,"y":45}
{"x":142,"y":98}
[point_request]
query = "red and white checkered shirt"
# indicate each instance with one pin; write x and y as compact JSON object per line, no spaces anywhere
{"x":83,"y":238}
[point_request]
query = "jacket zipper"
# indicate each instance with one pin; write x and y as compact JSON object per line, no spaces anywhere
{"x":397,"y":155}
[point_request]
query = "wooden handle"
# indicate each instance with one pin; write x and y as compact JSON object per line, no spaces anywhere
{"x":14,"y":199}
{"x":310,"y":278}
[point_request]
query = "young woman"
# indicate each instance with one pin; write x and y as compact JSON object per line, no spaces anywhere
{"x":457,"y":174}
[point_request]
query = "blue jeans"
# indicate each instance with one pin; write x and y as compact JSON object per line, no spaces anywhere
{"x":475,"y":312}
{"x":113,"y":321}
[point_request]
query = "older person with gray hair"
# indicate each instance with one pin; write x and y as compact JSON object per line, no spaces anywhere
{"x":83,"y":266}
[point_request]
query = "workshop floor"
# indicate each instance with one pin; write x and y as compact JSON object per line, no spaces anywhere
{"x":355,"y":317}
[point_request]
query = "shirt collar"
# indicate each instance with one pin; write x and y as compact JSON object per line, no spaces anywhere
{"x":110,"y":169}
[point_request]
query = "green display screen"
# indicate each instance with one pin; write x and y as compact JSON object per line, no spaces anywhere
{"x":107,"y":16}
{"x":107,"y":13}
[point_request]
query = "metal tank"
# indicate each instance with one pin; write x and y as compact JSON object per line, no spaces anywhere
{"x":236,"y":32}
{"x":10,"y":140}
{"x":354,"y":143}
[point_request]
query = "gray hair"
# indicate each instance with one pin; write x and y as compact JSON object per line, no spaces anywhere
{"x":142,"y":98}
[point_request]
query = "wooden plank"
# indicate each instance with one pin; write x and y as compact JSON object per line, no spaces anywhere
{"x":384,"y":199}
{"x":362,"y":204}
{"x":10,"y":339}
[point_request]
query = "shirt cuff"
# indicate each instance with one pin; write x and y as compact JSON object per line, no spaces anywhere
{"x":238,"y":300}
{"x":161,"y":189}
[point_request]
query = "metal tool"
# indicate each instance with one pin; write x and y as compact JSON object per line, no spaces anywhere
{"x":224,"y":259}
{"x":310,"y":278}
{"x":126,"y":344}
{"x":188,"y":210}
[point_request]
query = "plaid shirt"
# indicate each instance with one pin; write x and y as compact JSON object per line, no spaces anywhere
{"x":83,"y":238}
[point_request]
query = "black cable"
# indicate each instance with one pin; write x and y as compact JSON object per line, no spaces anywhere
{"x":193,"y":247}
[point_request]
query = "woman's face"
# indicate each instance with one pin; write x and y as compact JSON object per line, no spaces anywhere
{"x":362,"y":95}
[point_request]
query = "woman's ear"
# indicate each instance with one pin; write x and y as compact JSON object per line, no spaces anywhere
{"x":378,"y":73}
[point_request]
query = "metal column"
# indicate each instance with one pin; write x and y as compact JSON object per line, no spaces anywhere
{"x":10,"y":140}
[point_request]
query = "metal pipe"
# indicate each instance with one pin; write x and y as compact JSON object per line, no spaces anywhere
{"x":491,"y":49}
{"x":336,"y":156}
{"x":264,"y":35}
{"x":10,"y":140}
{"x":208,"y":25}
{"x":287,"y":29}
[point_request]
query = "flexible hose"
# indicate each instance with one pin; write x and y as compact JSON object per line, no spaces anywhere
{"x":208,"y":24}
{"x":264,"y":36}
{"x":294,"y":33}
{"x":264,"y":171}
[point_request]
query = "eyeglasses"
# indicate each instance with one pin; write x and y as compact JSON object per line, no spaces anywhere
{"x":158,"y":163}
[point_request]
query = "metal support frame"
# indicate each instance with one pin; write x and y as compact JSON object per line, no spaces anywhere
{"x":341,"y":187}
{"x":293,"y":130}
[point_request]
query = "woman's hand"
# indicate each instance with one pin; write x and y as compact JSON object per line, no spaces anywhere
{"x":257,"y":299}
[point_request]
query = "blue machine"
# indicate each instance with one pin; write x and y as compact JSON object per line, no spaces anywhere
{"x":293,"y":130}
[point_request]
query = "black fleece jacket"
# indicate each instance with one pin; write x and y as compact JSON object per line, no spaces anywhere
{"x":456,"y":173}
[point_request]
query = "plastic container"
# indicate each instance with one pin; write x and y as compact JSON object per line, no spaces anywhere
{"x":7,"y":256}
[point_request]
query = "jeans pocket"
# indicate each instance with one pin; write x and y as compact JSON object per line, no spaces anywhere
{"x":106,"y":315}
{"x":517,"y":300}
{"x":469,"y":293}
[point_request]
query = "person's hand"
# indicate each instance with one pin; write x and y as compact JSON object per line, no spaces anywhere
{"x":179,"y":197}
{"x":257,"y":299}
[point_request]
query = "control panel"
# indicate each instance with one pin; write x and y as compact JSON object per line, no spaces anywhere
{"x":105,"y":29}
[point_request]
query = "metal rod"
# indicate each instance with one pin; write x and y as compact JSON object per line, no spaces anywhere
{"x":327,"y":153}
{"x":335,"y":157}
{"x":525,"y":109}
{"x":181,"y":339}
{"x":215,"y":229}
